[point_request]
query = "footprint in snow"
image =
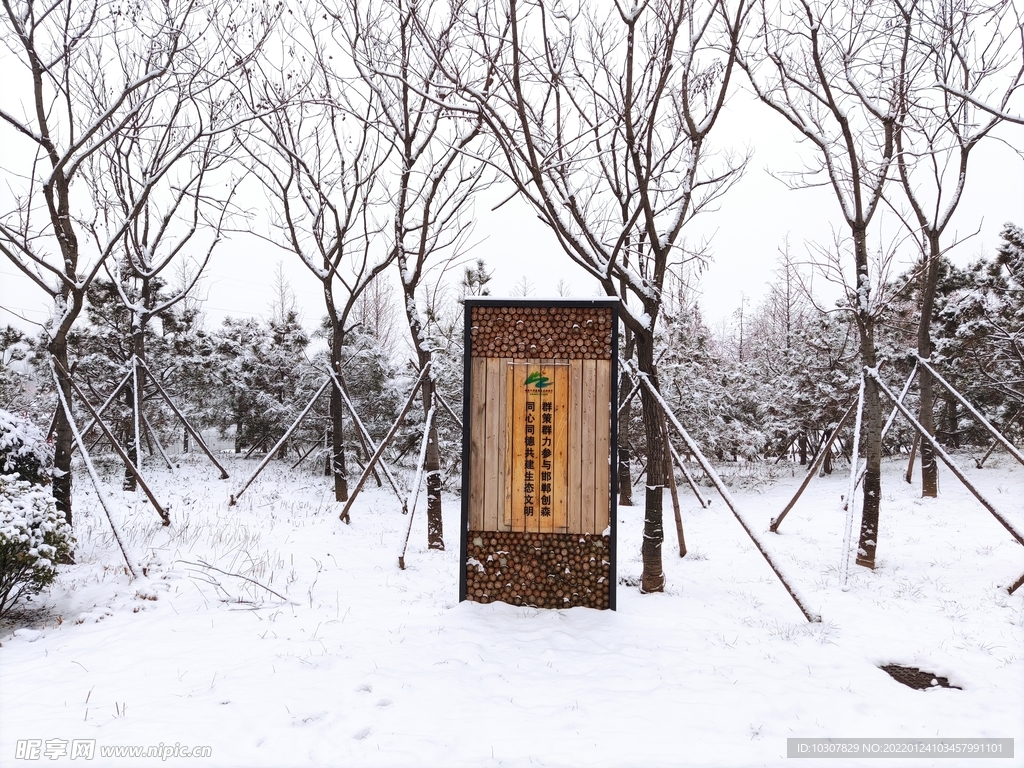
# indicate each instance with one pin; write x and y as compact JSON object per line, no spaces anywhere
{"x":362,"y":734}
{"x":384,"y":703}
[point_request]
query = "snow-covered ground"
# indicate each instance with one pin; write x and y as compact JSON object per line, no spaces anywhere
{"x":367,"y":665}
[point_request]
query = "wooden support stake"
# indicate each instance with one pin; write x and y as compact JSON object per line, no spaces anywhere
{"x":383,"y":445}
{"x":629,"y":398}
{"x":444,"y":404}
{"x":909,"y":476}
{"x":256,"y":445}
{"x":815,"y":466}
{"x":132,"y":568}
{"x":727,"y":498}
{"x":117,"y":449}
{"x":414,"y":491}
{"x":106,"y":404}
{"x":885,"y":429}
{"x":366,"y":438}
{"x":316,"y":444}
{"x":185,"y":422}
{"x":675,"y":499}
{"x":851,"y":506}
{"x":1016,"y":585}
{"x":948,"y":461}
{"x":274,"y":450}
{"x":686,"y":475}
{"x":151,"y":434}
{"x":995,"y":433}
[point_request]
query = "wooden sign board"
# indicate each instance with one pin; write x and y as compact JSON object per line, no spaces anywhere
{"x":538,"y":497}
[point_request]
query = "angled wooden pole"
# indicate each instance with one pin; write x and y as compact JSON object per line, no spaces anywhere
{"x":316,"y":444}
{"x":414,"y":491}
{"x":674,"y":490}
{"x":909,"y":476}
{"x":132,"y":568}
{"x":948,"y":461}
{"x":383,"y":445}
{"x":686,"y":474}
{"x":277,"y":446}
{"x":995,"y":433}
{"x":185,"y":422}
{"x":448,"y":408}
{"x":117,"y":449}
{"x":106,"y":403}
{"x":888,"y":425}
{"x":800,"y":601}
{"x":1016,"y":585}
{"x":629,"y":398}
{"x":151,"y":434}
{"x":851,"y":505}
{"x":813,"y":471}
{"x":364,"y":433}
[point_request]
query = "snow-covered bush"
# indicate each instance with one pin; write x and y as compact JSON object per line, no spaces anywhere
{"x":23,"y":449}
{"x":33,"y":536}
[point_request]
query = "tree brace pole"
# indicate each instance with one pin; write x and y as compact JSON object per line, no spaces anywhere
{"x":273,"y":451}
{"x":948,"y":461}
{"x":727,"y":498}
{"x":383,"y":445}
{"x":414,"y":492}
{"x":188,"y":427}
{"x":363,"y":431}
{"x":815,"y":466}
{"x":117,"y":449}
{"x":132,"y":568}
{"x":996,"y":434}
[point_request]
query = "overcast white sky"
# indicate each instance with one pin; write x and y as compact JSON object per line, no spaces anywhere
{"x":745,"y":234}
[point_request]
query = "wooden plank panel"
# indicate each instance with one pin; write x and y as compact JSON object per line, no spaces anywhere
{"x":505,"y":503}
{"x":492,"y":443}
{"x":477,"y":441}
{"x":575,"y":417}
{"x":588,"y":438}
{"x":516,"y":374}
{"x":503,"y":439}
{"x":546,"y":451}
{"x":561,"y":477}
{"x":602,"y":446}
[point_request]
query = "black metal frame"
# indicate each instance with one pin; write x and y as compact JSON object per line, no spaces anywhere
{"x":467,"y":368}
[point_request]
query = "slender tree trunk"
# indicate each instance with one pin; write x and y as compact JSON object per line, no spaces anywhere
{"x":872,"y":439}
{"x":63,"y":441}
{"x":625,"y":480}
{"x":432,"y":467}
{"x":133,"y":394}
{"x":926,"y":413}
{"x":337,"y":423}
{"x":802,"y":445}
{"x":653,"y":579}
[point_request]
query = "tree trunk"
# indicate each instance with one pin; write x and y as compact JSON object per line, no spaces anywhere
{"x":653,"y":579}
{"x":625,"y":481}
{"x":432,"y":467}
{"x":872,"y":438}
{"x":926,"y":413}
{"x":337,"y":423}
{"x":802,"y":445}
{"x":63,"y":442}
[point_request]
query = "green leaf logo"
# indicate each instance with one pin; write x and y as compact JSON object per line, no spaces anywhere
{"x":539,"y":380}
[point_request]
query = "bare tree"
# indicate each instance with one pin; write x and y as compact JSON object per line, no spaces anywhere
{"x":396,"y":47}
{"x":319,"y":157}
{"x":995,"y":50}
{"x":162,"y":191}
{"x":602,"y":117}
{"x":836,"y":71}
{"x":953,"y":43}
{"x":81,"y":76}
